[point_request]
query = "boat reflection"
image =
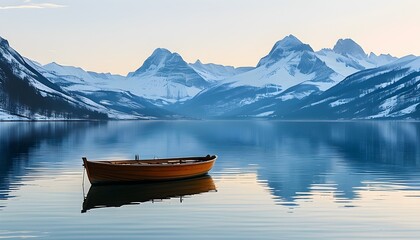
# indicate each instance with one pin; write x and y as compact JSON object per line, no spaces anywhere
{"x":102,"y":196}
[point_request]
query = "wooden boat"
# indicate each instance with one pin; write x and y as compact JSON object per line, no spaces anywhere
{"x":147,"y":170}
{"x":117,"y":195}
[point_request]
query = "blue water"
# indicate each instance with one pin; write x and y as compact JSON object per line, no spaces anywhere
{"x":272,"y":180}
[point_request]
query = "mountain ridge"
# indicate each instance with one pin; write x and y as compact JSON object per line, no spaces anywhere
{"x":25,"y":94}
{"x":165,"y":86}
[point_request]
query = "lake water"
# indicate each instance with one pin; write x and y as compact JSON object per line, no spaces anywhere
{"x":272,"y":180}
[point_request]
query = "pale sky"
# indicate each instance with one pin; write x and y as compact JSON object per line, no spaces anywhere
{"x":118,"y":35}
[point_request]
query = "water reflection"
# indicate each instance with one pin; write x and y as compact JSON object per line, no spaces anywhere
{"x":342,"y":159}
{"x":297,"y":179}
{"x":297,"y":160}
{"x":100,"y":196}
{"x":19,"y":142}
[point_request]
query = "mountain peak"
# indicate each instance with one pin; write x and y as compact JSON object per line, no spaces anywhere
{"x":372,"y":54}
{"x":349,"y":47}
{"x":160,"y":55}
{"x":55,"y":65}
{"x":161,"y":52}
{"x":52,"y":64}
{"x":283,"y":48}
{"x":288,"y":42}
{"x":157,"y":60}
{"x":160,"y":58}
{"x":4,"y":42}
{"x":291,"y":43}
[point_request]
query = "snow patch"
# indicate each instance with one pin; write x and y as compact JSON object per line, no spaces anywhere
{"x":389,"y":103}
{"x":295,"y":95}
{"x":7,"y":116}
{"x":264,"y":114}
{"x":407,"y":110}
{"x":340,"y":102}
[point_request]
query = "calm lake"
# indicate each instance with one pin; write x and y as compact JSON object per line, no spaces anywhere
{"x":272,"y":180}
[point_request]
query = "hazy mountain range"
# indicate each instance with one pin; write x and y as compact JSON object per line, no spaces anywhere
{"x":291,"y":82}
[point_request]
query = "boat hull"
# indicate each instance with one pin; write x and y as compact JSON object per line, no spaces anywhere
{"x":147,"y":170}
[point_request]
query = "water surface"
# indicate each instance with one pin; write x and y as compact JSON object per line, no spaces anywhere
{"x":272,"y":180}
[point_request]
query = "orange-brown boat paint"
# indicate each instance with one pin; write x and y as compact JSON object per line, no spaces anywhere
{"x":147,"y":170}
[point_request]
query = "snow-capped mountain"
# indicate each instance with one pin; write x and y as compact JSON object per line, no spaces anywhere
{"x":291,"y":70}
{"x":291,"y":81}
{"x":348,"y":47}
{"x":215,"y":72}
{"x":290,"y":62}
{"x":74,"y":75}
{"x":348,"y":57}
{"x":25,"y":94}
{"x":389,"y":91}
{"x":290,"y":73}
{"x":106,"y":91}
{"x":381,"y":59}
{"x":165,"y":76}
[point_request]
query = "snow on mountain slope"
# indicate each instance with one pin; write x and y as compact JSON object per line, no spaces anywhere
{"x":381,"y":59}
{"x":108,"y":92}
{"x":20,"y":68}
{"x":165,"y":76}
{"x":290,"y":63}
{"x":67,"y":71}
{"x":342,"y":65}
{"x":74,"y":75}
{"x":411,"y":62}
{"x":281,"y":73}
{"x":348,"y":47}
{"x":214,"y":72}
{"x":389,"y":91}
{"x":347,"y":57}
{"x":29,"y":95}
{"x":282,"y":49}
{"x":7,"y":116}
{"x":291,"y":72}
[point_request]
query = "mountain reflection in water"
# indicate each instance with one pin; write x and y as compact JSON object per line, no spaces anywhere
{"x":296,"y":180}
{"x":295,"y":159}
{"x":341,"y":159}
